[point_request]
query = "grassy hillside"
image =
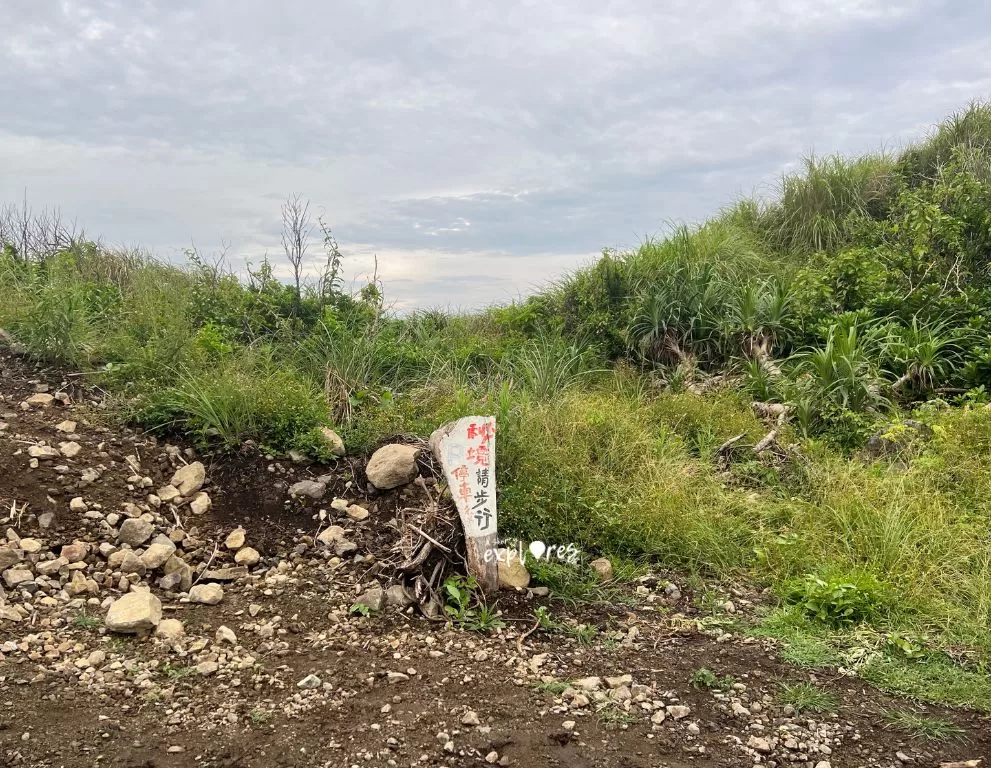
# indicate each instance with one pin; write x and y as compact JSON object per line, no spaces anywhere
{"x":859,"y":298}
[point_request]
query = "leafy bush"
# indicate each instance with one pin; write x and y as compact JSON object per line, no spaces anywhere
{"x":837,"y":602}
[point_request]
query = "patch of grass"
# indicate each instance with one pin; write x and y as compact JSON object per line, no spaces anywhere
{"x":805,"y":697}
{"x":84,"y":621}
{"x":922,"y":726}
{"x":801,"y":644}
{"x":579,"y":584}
{"x":174,"y":672}
{"x":614,"y":715}
{"x":259,"y":716}
{"x":932,"y":680}
{"x":556,"y":687}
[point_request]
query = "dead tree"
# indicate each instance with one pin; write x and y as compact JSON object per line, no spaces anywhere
{"x":296,"y":229}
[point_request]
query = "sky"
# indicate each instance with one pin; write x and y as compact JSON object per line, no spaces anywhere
{"x":475,"y":150}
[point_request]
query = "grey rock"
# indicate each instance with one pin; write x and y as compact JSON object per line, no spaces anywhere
{"x":135,"y":531}
{"x":310,"y":488}
{"x":373,"y":598}
{"x":392,"y":465}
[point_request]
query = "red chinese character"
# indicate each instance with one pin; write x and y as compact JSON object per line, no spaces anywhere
{"x":479,"y":455}
{"x":460,"y":473}
{"x":483,"y":431}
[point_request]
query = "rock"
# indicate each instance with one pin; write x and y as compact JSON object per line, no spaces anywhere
{"x":678,"y":711}
{"x":136,"y":611}
{"x":78,"y":505}
{"x":333,"y":441}
{"x":207,"y":668}
{"x":135,"y":531}
{"x":70,"y":449}
{"x":31,"y":546}
{"x":96,"y":658}
{"x":235,"y":539}
{"x":340,"y":505}
{"x":170,"y":629}
{"x":46,"y":520}
{"x":225,"y":635}
{"x":225,"y":574}
{"x":200,"y":503}
{"x":357,"y":512}
{"x":42,"y":399}
{"x":313,"y":489}
{"x":896,"y":438}
{"x":588,"y":684}
{"x":309,"y":682}
{"x":189,"y":479}
{"x":373,"y":598}
{"x":247,"y":556}
{"x":206,"y":594}
{"x":344,"y":547}
{"x":160,"y":550}
{"x":9,"y":557}
{"x":168,"y":493}
{"x":79,"y":585}
{"x":397,"y":596}
{"x":75,"y":552}
{"x":658,"y":717}
{"x":512,"y":573}
{"x":569,"y":725}
{"x":13,"y":577}
{"x":129,"y":562}
{"x":603,"y":568}
{"x":392,"y":466}
{"x":43,"y":452}
{"x":66,"y":426}
{"x":9,"y":613}
{"x":760,"y":744}
{"x":470,"y":718}
{"x":331,"y":535}
{"x":51,"y":567}
{"x":619,"y":681}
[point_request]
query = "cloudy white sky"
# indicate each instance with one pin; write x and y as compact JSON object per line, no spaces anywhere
{"x":477,"y":148}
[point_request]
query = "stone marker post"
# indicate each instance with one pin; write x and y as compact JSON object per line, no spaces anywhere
{"x":466,"y":450}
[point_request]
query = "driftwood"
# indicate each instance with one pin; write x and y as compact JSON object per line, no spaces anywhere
{"x":725,"y":453}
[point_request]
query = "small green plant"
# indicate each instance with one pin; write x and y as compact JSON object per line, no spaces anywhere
{"x":83,"y":621}
{"x":837,"y":602}
{"x":360,"y":609}
{"x":556,"y":687}
{"x":465,"y":609}
{"x":805,"y":697}
{"x":922,"y":726}
{"x":259,"y":716}
{"x":174,"y":672}
{"x":706,"y":678}
{"x":611,"y":714}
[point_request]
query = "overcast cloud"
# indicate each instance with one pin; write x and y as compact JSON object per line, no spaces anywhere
{"x":477,"y":148}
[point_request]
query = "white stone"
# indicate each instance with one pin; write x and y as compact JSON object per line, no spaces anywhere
{"x":189,"y":479}
{"x":206,"y":594}
{"x":200,"y":503}
{"x":136,"y":611}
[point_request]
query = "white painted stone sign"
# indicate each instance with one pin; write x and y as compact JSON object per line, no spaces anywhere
{"x":466,"y":450}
